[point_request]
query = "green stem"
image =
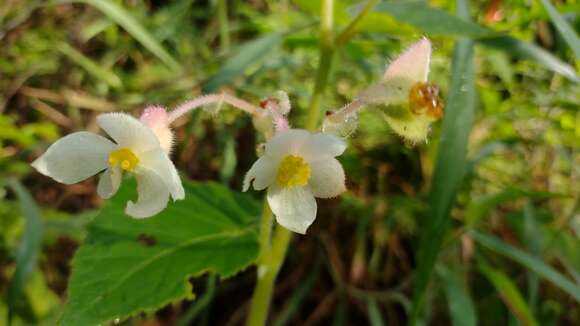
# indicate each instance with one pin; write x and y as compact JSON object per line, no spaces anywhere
{"x":268,"y":268}
{"x":222,"y":8}
{"x":324,"y":65}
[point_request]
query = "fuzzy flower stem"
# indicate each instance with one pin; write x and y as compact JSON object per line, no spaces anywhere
{"x":211,"y":99}
{"x":347,"y":110}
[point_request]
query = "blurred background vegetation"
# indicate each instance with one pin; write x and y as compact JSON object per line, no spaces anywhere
{"x":64,"y":62}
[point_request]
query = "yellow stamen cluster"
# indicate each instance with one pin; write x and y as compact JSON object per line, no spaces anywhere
{"x":424,"y":98}
{"x":123,"y":157}
{"x":293,"y":171}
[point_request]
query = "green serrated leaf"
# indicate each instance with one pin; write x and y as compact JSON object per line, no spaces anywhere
{"x":129,"y":265}
{"x":246,"y":55}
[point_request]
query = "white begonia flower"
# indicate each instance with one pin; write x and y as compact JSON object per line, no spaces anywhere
{"x":135,"y":149}
{"x":296,"y":167}
{"x":411,"y":103}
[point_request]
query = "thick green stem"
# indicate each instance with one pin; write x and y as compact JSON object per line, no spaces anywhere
{"x":268,"y":268}
{"x":222,"y":8}
{"x":324,"y":65}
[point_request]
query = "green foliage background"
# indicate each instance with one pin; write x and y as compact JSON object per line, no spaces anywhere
{"x":478,"y":226}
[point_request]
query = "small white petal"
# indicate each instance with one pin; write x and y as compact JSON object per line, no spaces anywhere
{"x":321,"y":146}
{"x":75,"y":157}
{"x":413,"y":64}
{"x":286,"y":142}
{"x":327,"y":178}
{"x":128,"y":132}
{"x":158,"y":161}
{"x":153,"y":195}
{"x":109,"y":182}
{"x":294,"y":207}
{"x":262,"y":173}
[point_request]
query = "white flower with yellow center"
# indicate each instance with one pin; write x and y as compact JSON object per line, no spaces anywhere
{"x":135,"y":149}
{"x":296,"y":167}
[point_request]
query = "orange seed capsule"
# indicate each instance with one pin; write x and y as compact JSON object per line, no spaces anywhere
{"x":424,"y":99}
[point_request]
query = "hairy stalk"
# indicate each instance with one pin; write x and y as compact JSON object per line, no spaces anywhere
{"x":212,"y":99}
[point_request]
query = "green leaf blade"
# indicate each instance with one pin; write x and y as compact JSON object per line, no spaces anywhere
{"x":246,"y":55}
{"x":30,"y":245}
{"x":123,"y":18}
{"x":126,"y":265}
{"x":509,"y":293}
{"x":563,"y":27}
{"x":533,"y":263}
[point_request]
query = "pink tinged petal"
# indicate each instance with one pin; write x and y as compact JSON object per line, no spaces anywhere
{"x":153,"y":195}
{"x":294,"y":207}
{"x":128,"y":132}
{"x":412,"y":64}
{"x":158,"y":161}
{"x":322,"y":146}
{"x":156,"y":118}
{"x":286,"y":142}
{"x":261,"y":174}
{"x":109,"y":182}
{"x":410,"y":68}
{"x":75,"y":157}
{"x":327,"y":178}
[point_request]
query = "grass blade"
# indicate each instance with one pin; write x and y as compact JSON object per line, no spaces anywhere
{"x":124,"y":19}
{"x":248,"y":54}
{"x":532,"y":263}
{"x":460,"y":304}
{"x":30,"y":244}
{"x":91,"y":67}
{"x":431,"y":20}
{"x":439,"y":22}
{"x":450,"y":166}
{"x":375,"y":317}
{"x":509,"y":293}
{"x":563,"y":27}
{"x":524,"y":50}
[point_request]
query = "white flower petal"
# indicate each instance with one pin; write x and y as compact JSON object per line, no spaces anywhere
{"x":153,"y":195}
{"x":158,"y":161}
{"x":322,"y":146}
{"x":294,"y":207}
{"x":109,"y":182}
{"x":327,"y":178}
{"x":75,"y":157}
{"x":286,"y":142}
{"x":413,"y":64}
{"x":262,"y":173}
{"x":128,"y":132}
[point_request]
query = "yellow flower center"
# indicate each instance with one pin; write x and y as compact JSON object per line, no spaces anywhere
{"x":293,"y":171}
{"x":124,"y":158}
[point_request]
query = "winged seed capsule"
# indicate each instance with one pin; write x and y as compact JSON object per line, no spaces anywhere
{"x":409,"y":104}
